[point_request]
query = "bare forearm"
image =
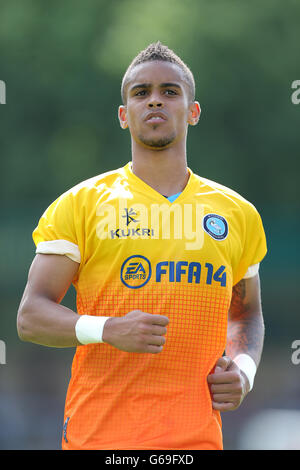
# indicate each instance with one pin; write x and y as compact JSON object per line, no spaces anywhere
{"x":246,"y":337}
{"x":45,"y":322}
{"x":245,"y":324}
{"x":48,"y":323}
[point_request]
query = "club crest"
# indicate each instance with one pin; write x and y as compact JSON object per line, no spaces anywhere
{"x":216,"y":226}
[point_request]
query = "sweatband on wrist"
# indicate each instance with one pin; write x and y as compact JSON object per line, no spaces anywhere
{"x":89,"y":329}
{"x":247,"y":365}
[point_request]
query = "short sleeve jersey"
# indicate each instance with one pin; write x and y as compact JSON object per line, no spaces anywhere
{"x":137,"y":250}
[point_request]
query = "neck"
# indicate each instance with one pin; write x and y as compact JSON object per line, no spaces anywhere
{"x":164,"y":170}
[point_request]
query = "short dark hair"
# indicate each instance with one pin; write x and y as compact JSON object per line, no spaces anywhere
{"x":158,"y":51}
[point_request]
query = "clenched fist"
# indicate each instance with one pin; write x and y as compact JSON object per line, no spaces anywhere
{"x":136,"y":331}
{"x":228,"y":385}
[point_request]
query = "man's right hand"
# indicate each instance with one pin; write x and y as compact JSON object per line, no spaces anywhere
{"x":136,"y":331}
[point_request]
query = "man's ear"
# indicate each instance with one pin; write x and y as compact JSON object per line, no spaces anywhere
{"x":194,"y":113}
{"x":123,"y":116}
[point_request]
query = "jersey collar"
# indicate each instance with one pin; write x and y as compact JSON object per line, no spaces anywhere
{"x":146,"y":189}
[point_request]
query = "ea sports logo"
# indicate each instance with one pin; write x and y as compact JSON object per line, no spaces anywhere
{"x":135,"y":271}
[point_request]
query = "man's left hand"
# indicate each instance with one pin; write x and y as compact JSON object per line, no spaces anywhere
{"x":228,"y":385}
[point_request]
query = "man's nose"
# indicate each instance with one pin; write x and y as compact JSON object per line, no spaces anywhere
{"x":155,"y":101}
{"x":155,"y":104}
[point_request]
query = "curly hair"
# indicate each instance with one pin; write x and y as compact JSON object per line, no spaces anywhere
{"x":157,"y":51}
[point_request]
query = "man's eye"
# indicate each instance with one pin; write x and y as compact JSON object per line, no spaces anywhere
{"x":140,"y":93}
{"x":171,"y":92}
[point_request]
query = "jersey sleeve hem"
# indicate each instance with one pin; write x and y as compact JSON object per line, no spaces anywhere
{"x":251,"y":271}
{"x":59,"y":247}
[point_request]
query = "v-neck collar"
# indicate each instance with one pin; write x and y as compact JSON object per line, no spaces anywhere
{"x":147,"y":189}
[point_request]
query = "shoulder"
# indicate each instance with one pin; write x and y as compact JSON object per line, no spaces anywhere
{"x":98,"y":183}
{"x":95,"y":187}
{"x":229,"y":196}
{"x":88,"y":192}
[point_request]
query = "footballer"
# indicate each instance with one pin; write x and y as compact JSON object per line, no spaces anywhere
{"x":169,"y":328}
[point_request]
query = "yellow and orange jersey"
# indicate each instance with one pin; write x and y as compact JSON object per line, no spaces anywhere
{"x":137,"y":250}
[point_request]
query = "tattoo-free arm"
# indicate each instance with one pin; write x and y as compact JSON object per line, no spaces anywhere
{"x":245,"y":333}
{"x":42,"y":320}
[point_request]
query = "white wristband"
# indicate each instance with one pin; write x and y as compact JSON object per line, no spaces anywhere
{"x":247,"y":365}
{"x":89,"y":329}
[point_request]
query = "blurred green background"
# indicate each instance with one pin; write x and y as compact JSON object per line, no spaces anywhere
{"x":62,"y":63}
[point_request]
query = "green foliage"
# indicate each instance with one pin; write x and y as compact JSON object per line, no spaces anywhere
{"x":63,"y":63}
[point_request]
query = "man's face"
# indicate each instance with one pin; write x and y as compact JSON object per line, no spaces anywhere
{"x":158,"y":107}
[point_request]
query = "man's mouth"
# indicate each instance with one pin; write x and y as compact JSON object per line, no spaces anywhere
{"x":155,"y":118}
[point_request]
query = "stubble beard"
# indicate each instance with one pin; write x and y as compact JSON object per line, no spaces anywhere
{"x":159,"y":143}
